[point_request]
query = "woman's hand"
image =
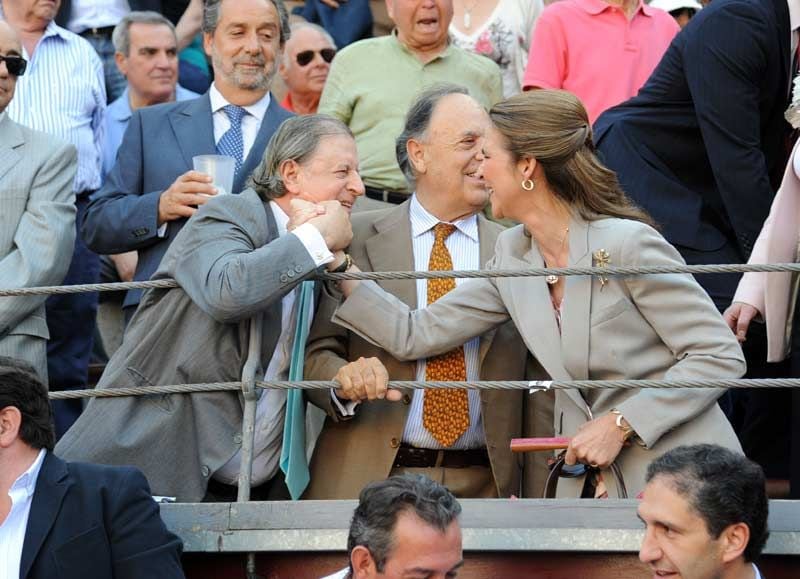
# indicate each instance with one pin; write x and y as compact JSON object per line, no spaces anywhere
{"x":597,"y":443}
{"x":738,"y":317}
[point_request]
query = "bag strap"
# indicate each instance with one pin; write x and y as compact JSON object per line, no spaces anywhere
{"x":551,"y":484}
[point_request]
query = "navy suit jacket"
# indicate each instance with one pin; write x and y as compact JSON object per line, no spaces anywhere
{"x":156,"y":149}
{"x":96,"y":522}
{"x":703,"y":145}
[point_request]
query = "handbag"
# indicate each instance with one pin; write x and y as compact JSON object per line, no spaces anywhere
{"x":558,"y":467}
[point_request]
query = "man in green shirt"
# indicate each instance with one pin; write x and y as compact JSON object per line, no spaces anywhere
{"x":373,"y":82}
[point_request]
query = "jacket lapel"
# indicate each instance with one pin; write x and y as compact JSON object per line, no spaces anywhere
{"x":391,"y":249}
{"x":273,"y":117}
{"x":487,"y":238}
{"x":10,"y":139}
{"x":193,"y":127}
{"x":536,"y":321}
{"x":51,"y":487}
{"x":575,"y":322}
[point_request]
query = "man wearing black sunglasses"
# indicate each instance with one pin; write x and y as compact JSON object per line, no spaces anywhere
{"x":37,"y":231}
{"x":304,"y":69}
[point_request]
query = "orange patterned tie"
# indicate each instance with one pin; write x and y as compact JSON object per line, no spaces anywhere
{"x":445,"y":413}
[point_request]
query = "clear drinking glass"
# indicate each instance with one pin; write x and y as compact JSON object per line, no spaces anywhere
{"x":220,"y":168}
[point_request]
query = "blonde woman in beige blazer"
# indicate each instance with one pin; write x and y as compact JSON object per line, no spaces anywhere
{"x":541,"y":170}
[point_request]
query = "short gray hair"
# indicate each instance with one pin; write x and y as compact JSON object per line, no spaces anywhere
{"x":296,"y":140}
{"x":303,"y":24}
{"x":418,"y":120}
{"x":121,"y":37}
{"x":211,"y":18}
{"x":381,"y":503}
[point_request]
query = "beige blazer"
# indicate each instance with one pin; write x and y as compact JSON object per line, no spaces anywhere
{"x":352,"y":452}
{"x":772,"y":293}
{"x":661,"y":326}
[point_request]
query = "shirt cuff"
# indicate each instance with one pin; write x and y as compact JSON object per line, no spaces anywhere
{"x":162,"y":231}
{"x":346,"y":409}
{"x":314,"y":243}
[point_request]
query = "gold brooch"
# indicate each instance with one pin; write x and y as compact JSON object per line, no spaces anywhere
{"x":601,"y":259}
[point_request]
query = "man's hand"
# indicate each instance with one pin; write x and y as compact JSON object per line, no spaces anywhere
{"x":184,"y":195}
{"x":738,"y":317}
{"x":332,"y":3}
{"x":334,"y":225}
{"x":597,"y":443}
{"x":125,"y":263}
{"x":301,"y":211}
{"x":365,"y":379}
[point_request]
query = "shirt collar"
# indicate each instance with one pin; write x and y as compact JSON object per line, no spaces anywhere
{"x":281,"y":219}
{"x":594,"y":7}
{"x":120,"y":109}
{"x":794,"y":14}
{"x":443,"y":54}
{"x":758,"y":573}
{"x":422,"y":221}
{"x":258,"y":109}
{"x":27,"y":480}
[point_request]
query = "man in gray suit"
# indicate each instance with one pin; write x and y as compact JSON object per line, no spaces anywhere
{"x":238,"y":262}
{"x":375,"y":438}
{"x":37,"y":228}
{"x":152,"y":189}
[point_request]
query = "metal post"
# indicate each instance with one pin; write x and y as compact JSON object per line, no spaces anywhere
{"x":250,"y":394}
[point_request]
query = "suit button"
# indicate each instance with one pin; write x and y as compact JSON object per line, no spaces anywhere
{"x":290,"y":273}
{"x":205,"y":471}
{"x":394,"y":443}
{"x":406,"y":399}
{"x":298,"y":268}
{"x":284,"y":279}
{"x":237,"y":439}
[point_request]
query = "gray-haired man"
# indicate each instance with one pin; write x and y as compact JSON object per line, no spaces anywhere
{"x":404,"y":526}
{"x":305,"y":66}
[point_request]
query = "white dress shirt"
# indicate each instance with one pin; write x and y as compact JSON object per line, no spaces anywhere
{"x":12,"y":530}
{"x":343,"y":574}
{"x":757,"y":572}
{"x":271,"y":406}
{"x":86,"y":14}
{"x":251,"y":122}
{"x":465,"y":250}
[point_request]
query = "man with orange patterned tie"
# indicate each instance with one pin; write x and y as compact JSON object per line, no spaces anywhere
{"x":458,"y":438}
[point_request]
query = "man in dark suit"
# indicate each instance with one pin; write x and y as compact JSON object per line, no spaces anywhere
{"x":152,"y":189}
{"x":702,"y":148}
{"x":70,"y":520}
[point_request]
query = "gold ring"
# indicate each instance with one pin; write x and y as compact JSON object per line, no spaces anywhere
{"x":593,"y":465}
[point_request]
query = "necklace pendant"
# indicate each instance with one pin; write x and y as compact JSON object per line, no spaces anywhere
{"x":467,"y":20}
{"x":551,"y":279}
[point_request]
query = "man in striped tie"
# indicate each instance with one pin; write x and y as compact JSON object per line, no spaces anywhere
{"x":458,"y":438}
{"x":152,"y":189}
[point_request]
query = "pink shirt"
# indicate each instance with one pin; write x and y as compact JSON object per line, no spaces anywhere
{"x":591,"y":49}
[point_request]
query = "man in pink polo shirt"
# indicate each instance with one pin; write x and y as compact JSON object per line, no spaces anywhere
{"x":603,"y":52}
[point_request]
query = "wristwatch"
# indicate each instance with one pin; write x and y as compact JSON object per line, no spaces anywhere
{"x":344,"y":266}
{"x":623,"y":425}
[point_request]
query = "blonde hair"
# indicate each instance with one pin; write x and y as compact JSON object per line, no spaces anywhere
{"x":552,"y":127}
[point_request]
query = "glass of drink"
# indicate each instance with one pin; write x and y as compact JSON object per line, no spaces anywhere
{"x":220,"y":168}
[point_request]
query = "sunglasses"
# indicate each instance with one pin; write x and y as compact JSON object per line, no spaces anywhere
{"x":16,"y":65}
{"x":304,"y":58}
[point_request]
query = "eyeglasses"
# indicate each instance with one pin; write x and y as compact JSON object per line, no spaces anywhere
{"x":304,"y":58}
{"x":16,"y":65}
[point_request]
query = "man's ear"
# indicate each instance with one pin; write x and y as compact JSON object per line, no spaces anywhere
{"x":10,"y":422}
{"x":362,"y":562}
{"x":208,"y":41}
{"x":390,"y":9}
{"x":289,"y":171}
{"x":122,"y":63}
{"x":416,"y":155}
{"x":735,"y":539}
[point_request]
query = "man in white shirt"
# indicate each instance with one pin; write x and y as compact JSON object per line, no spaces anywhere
{"x":705,"y":513}
{"x":65,"y":520}
{"x":376,"y":436}
{"x":404,"y":526}
{"x":152,"y":188}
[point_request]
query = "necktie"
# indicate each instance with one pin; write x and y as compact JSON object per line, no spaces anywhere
{"x":293,"y":453}
{"x":232,"y":142}
{"x":445,"y":413}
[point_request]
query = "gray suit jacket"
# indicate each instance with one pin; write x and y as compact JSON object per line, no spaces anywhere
{"x":37,"y":233}
{"x":230,"y":265}
{"x":367,"y":444}
{"x":660,"y":326}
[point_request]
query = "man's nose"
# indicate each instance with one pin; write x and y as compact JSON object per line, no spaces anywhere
{"x":357,"y":185}
{"x":649,"y":552}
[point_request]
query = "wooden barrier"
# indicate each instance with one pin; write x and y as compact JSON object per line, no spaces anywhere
{"x":552,"y":539}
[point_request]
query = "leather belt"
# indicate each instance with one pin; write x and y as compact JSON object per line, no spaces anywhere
{"x":103,"y":32}
{"x":385,"y":196}
{"x":411,"y":457}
